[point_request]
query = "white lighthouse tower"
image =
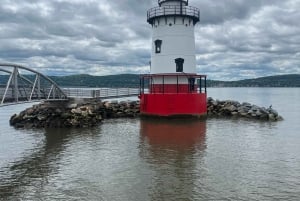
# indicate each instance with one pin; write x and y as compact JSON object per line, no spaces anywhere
{"x":173,"y":87}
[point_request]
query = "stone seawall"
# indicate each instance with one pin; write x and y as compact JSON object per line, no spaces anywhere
{"x":230,"y":108}
{"x":60,"y":114}
{"x":88,"y":113}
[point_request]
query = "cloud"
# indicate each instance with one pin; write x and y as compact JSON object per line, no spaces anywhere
{"x":235,"y":39}
{"x":264,"y":41}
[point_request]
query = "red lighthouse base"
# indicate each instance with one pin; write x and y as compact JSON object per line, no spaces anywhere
{"x":173,"y":104}
{"x":173,"y":99}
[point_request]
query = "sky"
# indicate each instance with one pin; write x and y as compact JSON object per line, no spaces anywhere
{"x":235,"y":39}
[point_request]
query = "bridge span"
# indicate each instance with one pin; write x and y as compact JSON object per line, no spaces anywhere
{"x":20,"y":84}
{"x":25,"y":84}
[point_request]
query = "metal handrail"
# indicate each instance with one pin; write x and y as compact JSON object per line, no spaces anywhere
{"x":102,"y":93}
{"x":171,"y":10}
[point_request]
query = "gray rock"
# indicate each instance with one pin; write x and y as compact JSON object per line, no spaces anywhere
{"x":264,"y":110}
{"x":214,"y":103}
{"x":41,"y":117}
{"x":272,"y":111}
{"x":230,"y":108}
{"x":255,"y":108}
{"x":244,"y":114}
{"x":76,"y":111}
{"x":279,"y":118}
{"x":244,"y":108}
{"x":210,"y":99}
{"x":27,"y":117}
{"x":258,"y":113}
{"x":272,"y":117}
{"x":58,"y":111}
{"x":234,"y":113}
{"x":246,"y":104}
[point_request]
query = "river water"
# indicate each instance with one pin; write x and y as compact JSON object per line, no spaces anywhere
{"x":144,"y":159}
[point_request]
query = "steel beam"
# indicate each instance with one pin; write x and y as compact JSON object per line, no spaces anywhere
{"x":7,"y":87}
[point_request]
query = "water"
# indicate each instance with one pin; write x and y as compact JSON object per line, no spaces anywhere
{"x":143,"y":159}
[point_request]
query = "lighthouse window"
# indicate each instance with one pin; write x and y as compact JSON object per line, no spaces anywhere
{"x":158,"y":46}
{"x":179,"y":64}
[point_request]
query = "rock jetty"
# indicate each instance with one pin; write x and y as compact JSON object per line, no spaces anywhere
{"x":60,"y":114}
{"x":70,"y":113}
{"x":230,"y":108}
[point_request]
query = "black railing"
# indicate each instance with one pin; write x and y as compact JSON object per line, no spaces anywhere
{"x":194,"y":83}
{"x":173,"y":10}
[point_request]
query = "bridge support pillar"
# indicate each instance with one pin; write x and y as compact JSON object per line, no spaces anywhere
{"x":15,"y":84}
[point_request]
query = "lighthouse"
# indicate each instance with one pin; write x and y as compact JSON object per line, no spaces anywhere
{"x":173,"y":87}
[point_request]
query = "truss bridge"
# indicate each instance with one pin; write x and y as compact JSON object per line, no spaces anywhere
{"x":21,"y":84}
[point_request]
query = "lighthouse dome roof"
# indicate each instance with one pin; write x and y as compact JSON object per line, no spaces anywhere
{"x":160,"y":2}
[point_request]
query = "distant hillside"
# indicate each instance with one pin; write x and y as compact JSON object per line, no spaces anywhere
{"x":132,"y":80}
{"x":291,"y":80}
{"x":123,"y":80}
{"x":83,"y":80}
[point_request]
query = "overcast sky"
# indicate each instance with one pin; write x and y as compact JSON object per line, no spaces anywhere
{"x":235,"y":39}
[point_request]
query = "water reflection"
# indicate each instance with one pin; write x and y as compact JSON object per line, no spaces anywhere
{"x":31,"y":173}
{"x":172,"y":148}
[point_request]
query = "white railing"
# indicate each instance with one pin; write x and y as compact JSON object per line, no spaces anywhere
{"x":102,"y":93}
